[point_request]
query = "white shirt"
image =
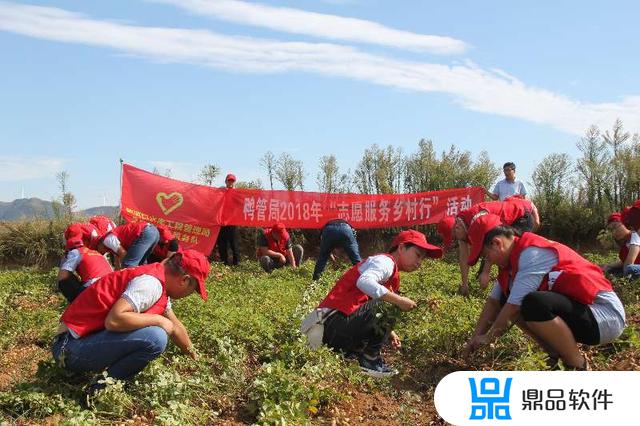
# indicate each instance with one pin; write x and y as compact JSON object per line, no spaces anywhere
{"x":506,"y":189}
{"x":111,"y":242}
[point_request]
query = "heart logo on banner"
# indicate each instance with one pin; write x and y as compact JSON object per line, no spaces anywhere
{"x":169,"y":202}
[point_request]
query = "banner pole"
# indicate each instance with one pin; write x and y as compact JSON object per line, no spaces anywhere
{"x":120,"y":203}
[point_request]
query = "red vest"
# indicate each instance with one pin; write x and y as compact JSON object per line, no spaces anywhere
{"x":84,"y":231}
{"x":624,"y":251}
{"x":346,"y":297}
{"x":92,"y":265}
{"x":128,"y":233}
{"x":509,"y":211}
{"x":279,"y":246}
{"x":87,"y":312}
{"x":573,"y":276}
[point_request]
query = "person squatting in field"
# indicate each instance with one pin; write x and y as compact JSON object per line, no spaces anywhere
{"x":276,"y":250}
{"x":552,"y":293}
{"x":628,"y":243}
{"x":122,"y":321}
{"x":336,"y":234}
{"x":515,"y":211}
{"x":131,"y":243}
{"x":81,"y":265}
{"x":348,"y":312}
{"x":631,"y":219}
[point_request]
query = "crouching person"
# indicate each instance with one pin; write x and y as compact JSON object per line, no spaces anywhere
{"x":547,"y":289}
{"x":122,"y":321}
{"x":80,"y":268}
{"x":348,"y":312}
{"x":276,"y":250}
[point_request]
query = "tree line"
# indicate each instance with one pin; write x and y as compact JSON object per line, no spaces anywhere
{"x":573,"y":196}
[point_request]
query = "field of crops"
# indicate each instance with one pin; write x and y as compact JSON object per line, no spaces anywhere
{"x":253,"y":365}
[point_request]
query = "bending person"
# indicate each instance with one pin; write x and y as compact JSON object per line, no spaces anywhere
{"x":547,"y":289}
{"x":629,"y":245}
{"x":80,"y":268}
{"x":131,"y":243}
{"x":336,"y":233}
{"x":519,"y":213}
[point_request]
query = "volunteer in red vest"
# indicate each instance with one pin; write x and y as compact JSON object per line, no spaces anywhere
{"x":131,"y":243}
{"x":629,"y":244}
{"x":550,"y":291}
{"x":167,"y":245}
{"x":228,"y":236}
{"x":276,"y":250}
{"x":520,"y":213}
{"x":123,"y":321}
{"x":80,"y":267}
{"x":349,"y":310}
{"x":87,"y":233}
{"x":103,"y":224}
{"x":631,"y":219}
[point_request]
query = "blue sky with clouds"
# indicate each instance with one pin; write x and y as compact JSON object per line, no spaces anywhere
{"x":181,"y":83}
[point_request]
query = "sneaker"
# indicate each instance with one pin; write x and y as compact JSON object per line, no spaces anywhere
{"x":376,"y":367}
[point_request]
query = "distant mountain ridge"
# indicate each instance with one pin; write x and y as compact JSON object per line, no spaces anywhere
{"x":35,"y":208}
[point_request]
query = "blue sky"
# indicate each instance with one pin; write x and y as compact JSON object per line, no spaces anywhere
{"x":181,"y":83}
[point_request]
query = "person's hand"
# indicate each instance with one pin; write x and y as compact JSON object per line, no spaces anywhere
{"x":467,"y":350}
{"x":166,"y":324}
{"x":406,"y":304}
{"x":483,"y":279}
{"x":395,"y":340}
{"x":463,"y":290}
{"x":191,"y":351}
{"x":281,"y":258}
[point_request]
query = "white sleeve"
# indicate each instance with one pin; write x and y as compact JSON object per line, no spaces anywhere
{"x":143,"y":292}
{"x":111,"y":242}
{"x":374,"y":272}
{"x":634,"y":240}
{"x":71,"y":261}
{"x":533,"y":265}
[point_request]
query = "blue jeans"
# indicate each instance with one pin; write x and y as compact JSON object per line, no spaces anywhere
{"x":123,"y":354}
{"x":336,"y":234}
{"x":633,"y":270}
{"x":142,"y":247}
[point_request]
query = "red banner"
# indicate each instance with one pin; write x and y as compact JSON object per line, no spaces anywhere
{"x":191,"y":211}
{"x":313,"y":209}
{"x":195,"y":212}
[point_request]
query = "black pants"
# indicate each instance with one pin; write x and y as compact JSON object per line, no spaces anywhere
{"x":227,"y":238}
{"x":541,"y":306}
{"x":70,"y":288}
{"x":360,"y":332}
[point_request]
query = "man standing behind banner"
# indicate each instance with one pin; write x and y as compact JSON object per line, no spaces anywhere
{"x":508,"y":186}
{"x":276,"y":250}
{"x":227,"y":237}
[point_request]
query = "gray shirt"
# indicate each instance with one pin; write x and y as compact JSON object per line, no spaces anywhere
{"x":534,"y":264}
{"x":505,"y":189}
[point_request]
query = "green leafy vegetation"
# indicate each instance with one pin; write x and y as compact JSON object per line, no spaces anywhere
{"x":254,"y":366}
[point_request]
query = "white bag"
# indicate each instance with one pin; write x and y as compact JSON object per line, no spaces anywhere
{"x":313,"y":327}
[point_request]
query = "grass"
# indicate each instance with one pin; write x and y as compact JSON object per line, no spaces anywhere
{"x":253,"y":365}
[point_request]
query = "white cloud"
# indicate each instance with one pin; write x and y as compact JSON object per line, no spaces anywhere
{"x":488,"y":91}
{"x":13,"y":168}
{"x":321,"y":25}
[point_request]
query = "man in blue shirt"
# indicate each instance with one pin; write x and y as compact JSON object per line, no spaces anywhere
{"x":508,"y":186}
